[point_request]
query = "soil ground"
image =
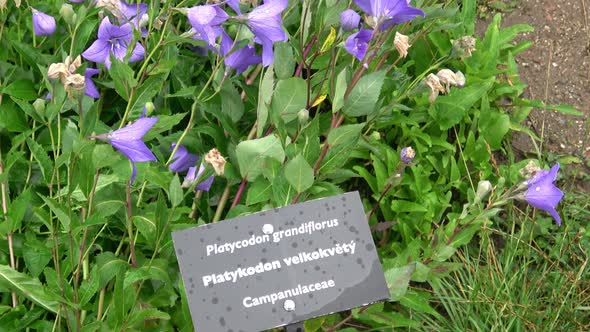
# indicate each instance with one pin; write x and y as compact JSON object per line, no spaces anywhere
{"x":557,"y":70}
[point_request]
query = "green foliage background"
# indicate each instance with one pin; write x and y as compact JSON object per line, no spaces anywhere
{"x":71,"y":217}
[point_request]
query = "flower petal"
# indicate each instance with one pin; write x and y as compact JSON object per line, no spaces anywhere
{"x":138,"y":53}
{"x":268,"y":9}
{"x":133,"y":173}
{"x":205,"y":185}
{"x":201,"y":15}
{"x":365,"y":5}
{"x":358,"y":43}
{"x":134,"y":131}
{"x":135,"y":150}
{"x":97,"y":52}
{"x":555,"y":216}
{"x":43,"y":24}
{"x":104,"y":29}
{"x":183,"y":159}
{"x":91,"y":90}
{"x":267,"y":52}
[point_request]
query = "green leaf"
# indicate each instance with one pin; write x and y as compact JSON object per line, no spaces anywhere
{"x":36,"y":256}
{"x":109,"y":266}
{"x":398,"y":280}
{"x":418,"y":302}
{"x":175,"y":191}
{"x":147,"y":227}
{"x":259,"y":191}
{"x":565,"y":109}
{"x":122,"y":76}
{"x":407,"y":206}
{"x":364,"y":95}
{"x":444,"y":253}
{"x":289,"y":98}
{"x":251,"y":155}
{"x":299,"y":173}
{"x":345,"y":135}
{"x":143,"y":315}
{"x":449,"y":110}
{"x":42,"y":159}
{"x":165,"y":123}
{"x":31,"y":288}
{"x":11,"y":118}
{"x":156,"y":271}
{"x":89,"y":287}
{"x":21,"y":89}
{"x":231,"y":102}
{"x":468,"y":11}
{"x":340,"y":90}
{"x":264,"y":97}
{"x":284,"y":62}
{"x":494,"y":125}
{"x":55,"y":207}
{"x":146,"y":92}
{"x":17,"y":210}
{"x":83,"y":34}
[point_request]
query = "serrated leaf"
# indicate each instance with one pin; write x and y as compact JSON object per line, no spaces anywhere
{"x":21,"y":89}
{"x":156,"y":271}
{"x":340,"y":90}
{"x":31,"y":288}
{"x":345,"y":135}
{"x":364,"y":95}
{"x":252,"y":153}
{"x":231,"y":102}
{"x":175,"y":191}
{"x":284,"y":63}
{"x":398,"y":280}
{"x":449,"y":110}
{"x":147,"y":227}
{"x":146,"y":92}
{"x":123,"y":77}
{"x":147,"y":314}
{"x":264,"y":97}
{"x":289,"y":98}
{"x":299,"y":173}
{"x":109,"y":266}
{"x":61,"y":215}
{"x":17,"y":209}
{"x":88,"y":288}
{"x":36,"y":256}
{"x":259,"y":191}
{"x":42,"y":159}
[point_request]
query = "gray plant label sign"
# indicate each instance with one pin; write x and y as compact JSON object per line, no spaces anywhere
{"x":280,"y":266}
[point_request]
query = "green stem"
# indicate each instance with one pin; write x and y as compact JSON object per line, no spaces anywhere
{"x":222,"y":202}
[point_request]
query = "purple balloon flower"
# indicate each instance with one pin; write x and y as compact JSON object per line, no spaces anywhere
{"x":206,"y":21}
{"x":349,"y":20}
{"x":183,"y":159}
{"x":239,"y":59}
{"x":192,"y":175}
{"x":43,"y":24}
{"x":91,"y":90}
{"x":115,"y":40}
{"x":388,"y":12}
{"x":358,"y":43}
{"x":267,"y":26}
{"x":128,"y":141}
{"x":543,"y":194}
{"x":407,"y":154}
{"x":133,"y":13}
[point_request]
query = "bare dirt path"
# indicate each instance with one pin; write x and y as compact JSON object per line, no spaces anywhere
{"x":557,"y":70}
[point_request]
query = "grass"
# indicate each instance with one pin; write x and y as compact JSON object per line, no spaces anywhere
{"x":528,"y":277}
